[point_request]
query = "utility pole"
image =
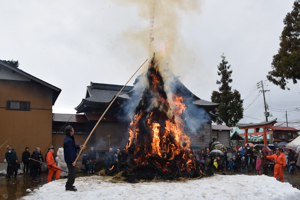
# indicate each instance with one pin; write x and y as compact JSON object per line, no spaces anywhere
{"x":287,"y":123}
{"x":261,"y":84}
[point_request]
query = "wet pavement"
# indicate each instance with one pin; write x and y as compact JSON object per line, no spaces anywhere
{"x":17,"y":188}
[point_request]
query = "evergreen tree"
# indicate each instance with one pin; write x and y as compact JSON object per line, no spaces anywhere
{"x":11,"y":63}
{"x":230,"y":110}
{"x":286,"y":64}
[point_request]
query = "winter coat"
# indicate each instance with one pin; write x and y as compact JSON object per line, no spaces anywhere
{"x":61,"y":162}
{"x":70,"y":149}
{"x":109,"y":157}
{"x":25,"y":157}
{"x":35,"y":156}
{"x":238,"y":160}
{"x":47,"y":154}
{"x":264,"y":162}
{"x":91,"y":155}
{"x":243,"y":162}
{"x":50,"y":160}
{"x":229,"y":156}
{"x":291,"y":157}
{"x":11,"y":157}
{"x":231,"y":164}
{"x":258,"y":164}
{"x":249,"y":152}
{"x":243,"y":152}
{"x":84,"y":160}
{"x":278,"y":159}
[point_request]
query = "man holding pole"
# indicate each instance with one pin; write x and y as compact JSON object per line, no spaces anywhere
{"x":70,"y":153}
{"x":51,"y":166}
{"x":34,"y":165}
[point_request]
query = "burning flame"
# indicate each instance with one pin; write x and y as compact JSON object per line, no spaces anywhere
{"x":156,"y":134}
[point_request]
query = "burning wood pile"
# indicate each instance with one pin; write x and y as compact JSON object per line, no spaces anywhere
{"x":158,"y":146}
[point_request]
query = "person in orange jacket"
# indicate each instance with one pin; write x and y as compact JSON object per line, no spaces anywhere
{"x":280,"y":163}
{"x":51,"y":166}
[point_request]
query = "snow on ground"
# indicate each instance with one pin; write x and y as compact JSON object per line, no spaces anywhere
{"x":3,"y":172}
{"x":215,"y":187}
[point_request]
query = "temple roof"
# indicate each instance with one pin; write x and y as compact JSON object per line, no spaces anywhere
{"x":99,"y":95}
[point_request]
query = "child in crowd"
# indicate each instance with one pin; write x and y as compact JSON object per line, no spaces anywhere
{"x":230,"y":165}
{"x":258,"y":165}
{"x":235,"y":168}
{"x":243,"y":164}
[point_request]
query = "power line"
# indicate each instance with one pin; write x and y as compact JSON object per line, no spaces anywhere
{"x":252,"y":101}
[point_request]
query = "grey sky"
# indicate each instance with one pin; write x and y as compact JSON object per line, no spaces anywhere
{"x":72,"y":43}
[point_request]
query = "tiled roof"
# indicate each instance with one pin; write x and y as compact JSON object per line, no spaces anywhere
{"x":281,"y":128}
{"x":57,"y":117}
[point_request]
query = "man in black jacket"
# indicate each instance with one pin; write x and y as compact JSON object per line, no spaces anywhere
{"x":34,"y":165}
{"x":70,"y":154}
{"x":25,"y":159}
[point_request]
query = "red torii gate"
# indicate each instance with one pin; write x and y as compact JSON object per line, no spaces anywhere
{"x":256,"y":128}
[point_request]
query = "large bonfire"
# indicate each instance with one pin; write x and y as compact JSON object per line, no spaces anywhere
{"x":158,"y":146}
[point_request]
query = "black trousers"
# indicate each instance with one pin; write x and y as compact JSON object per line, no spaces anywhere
{"x":10,"y":169}
{"x":34,"y":171}
{"x":26,"y":165}
{"x":71,"y":175}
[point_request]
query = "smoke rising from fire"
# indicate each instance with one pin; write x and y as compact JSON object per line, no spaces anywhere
{"x":162,"y":34}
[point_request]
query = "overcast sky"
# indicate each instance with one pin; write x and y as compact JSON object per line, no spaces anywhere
{"x":72,"y":43}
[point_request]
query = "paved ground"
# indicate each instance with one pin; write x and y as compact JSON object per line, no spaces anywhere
{"x":17,"y":189}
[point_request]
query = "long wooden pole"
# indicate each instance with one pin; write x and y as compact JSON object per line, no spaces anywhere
{"x":47,"y":164}
{"x":4,"y":143}
{"x":106,"y":111}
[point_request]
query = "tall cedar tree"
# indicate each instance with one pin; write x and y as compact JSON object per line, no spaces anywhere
{"x":286,"y":64}
{"x":230,"y":110}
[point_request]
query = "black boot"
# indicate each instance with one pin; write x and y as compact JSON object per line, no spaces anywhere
{"x":71,"y":189}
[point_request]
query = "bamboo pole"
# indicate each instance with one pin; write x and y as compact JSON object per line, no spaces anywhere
{"x":47,"y":164}
{"x":106,"y":111}
{"x":4,"y":143}
{"x":56,"y":135}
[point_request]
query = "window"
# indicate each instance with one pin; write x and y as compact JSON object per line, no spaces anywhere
{"x":18,"y":105}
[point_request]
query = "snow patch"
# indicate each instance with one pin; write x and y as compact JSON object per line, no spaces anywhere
{"x":215,"y":187}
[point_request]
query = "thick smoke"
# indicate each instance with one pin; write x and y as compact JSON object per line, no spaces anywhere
{"x":162,"y":35}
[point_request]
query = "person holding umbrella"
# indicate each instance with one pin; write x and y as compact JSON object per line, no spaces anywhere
{"x":280,"y":163}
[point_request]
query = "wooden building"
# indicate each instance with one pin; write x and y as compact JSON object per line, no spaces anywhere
{"x":25,"y":110}
{"x":222,"y":134}
{"x":284,"y":134}
{"x":113,"y":130}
